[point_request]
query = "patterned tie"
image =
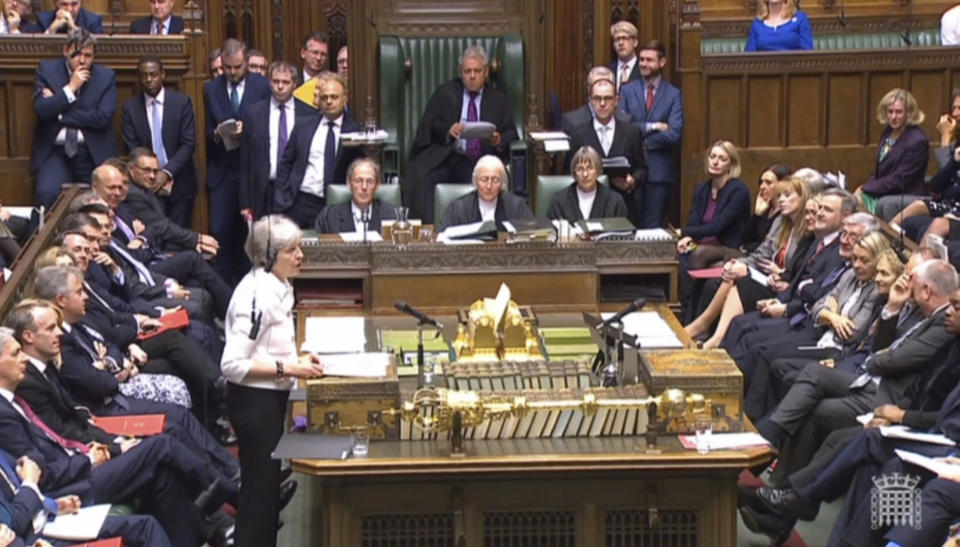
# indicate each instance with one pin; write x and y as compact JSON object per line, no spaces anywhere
{"x":473,"y":145}
{"x":71,"y":140}
{"x":158,"y":27}
{"x":66,"y":444}
{"x":158,"y":147}
{"x":282,"y":133}
{"x":330,"y":154}
{"x":235,"y":98}
{"x":624,"y":75}
{"x":650,"y":93}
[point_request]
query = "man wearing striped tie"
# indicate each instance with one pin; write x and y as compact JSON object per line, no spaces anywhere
{"x":160,"y":21}
{"x":162,"y":120}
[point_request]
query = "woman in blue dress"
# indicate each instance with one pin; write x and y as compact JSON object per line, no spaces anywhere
{"x":779,"y":26}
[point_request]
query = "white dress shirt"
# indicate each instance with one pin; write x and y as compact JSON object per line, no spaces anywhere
{"x":950,"y":27}
{"x":276,"y":339}
{"x":605,"y":133}
{"x":313,"y":182}
{"x":275,"y":130}
{"x":488,"y":209}
{"x":585,"y":200}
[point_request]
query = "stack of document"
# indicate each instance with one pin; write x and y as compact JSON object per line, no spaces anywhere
{"x":553,"y":141}
{"x":356,"y":365}
{"x":334,"y":335}
{"x":651,"y":330}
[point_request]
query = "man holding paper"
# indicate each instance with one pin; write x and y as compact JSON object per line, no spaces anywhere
{"x":226,"y":100}
{"x":463,"y":120}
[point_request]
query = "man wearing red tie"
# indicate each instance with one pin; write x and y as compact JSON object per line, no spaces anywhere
{"x":160,"y":21}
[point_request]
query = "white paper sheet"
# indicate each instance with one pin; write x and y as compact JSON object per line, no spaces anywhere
{"x":758,"y":276}
{"x":904,"y":432}
{"x":651,"y":330}
{"x":556,"y":146}
{"x":356,"y":365}
{"x":334,"y":335}
{"x":653,"y":234}
{"x":477,"y":130}
{"x":228,"y":129}
{"x":549,"y":135}
{"x":937,"y":466}
{"x":372,"y":235}
{"x":453,"y":232}
{"x":727,"y":441}
{"x":82,"y":526}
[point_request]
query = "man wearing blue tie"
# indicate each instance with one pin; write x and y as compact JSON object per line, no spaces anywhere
{"x":657,"y":109}
{"x":227,"y":98}
{"x":162,"y":120}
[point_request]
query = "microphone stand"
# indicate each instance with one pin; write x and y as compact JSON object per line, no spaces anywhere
{"x":365,"y":219}
{"x":614,"y":339}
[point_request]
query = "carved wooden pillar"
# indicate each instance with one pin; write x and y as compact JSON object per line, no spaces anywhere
{"x":692,"y":142}
{"x":194,"y":22}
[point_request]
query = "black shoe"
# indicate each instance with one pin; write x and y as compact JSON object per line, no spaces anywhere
{"x":212,"y":497}
{"x":786,"y":502}
{"x":287,"y":490}
{"x":285,"y":473}
{"x":777,"y":527}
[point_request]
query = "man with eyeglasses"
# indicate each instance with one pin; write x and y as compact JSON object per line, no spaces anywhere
{"x":624,"y":34}
{"x":441,"y":152}
{"x":613,"y":138}
{"x":364,"y":211}
{"x":68,"y":16}
{"x":74,"y":100}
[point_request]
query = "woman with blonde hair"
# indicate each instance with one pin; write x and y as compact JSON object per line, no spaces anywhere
{"x":902,"y":154}
{"x":779,"y":26}
{"x":777,"y":257}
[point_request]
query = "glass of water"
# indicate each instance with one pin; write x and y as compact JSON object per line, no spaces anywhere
{"x":704,"y":430}
{"x":361,"y":443}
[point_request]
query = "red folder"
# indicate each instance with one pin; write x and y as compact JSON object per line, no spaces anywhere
{"x":171,"y":321}
{"x":137,"y":425}
{"x":706,"y":273}
{"x":112,"y":542}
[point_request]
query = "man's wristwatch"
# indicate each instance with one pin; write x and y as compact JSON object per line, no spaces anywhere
{"x":279,"y":368}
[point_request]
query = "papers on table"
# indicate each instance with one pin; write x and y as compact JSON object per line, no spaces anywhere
{"x":372,"y":236}
{"x":475,"y":232}
{"x":228,"y":134}
{"x":725,"y":441}
{"x":939,"y":467}
{"x":556,"y":145}
{"x":653,"y":234}
{"x":81,"y":526}
{"x":356,"y":365}
{"x":904,"y":432}
{"x":334,"y":335}
{"x":477,"y":130}
{"x":651,"y":330}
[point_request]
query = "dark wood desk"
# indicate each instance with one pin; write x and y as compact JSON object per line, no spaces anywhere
{"x":441,"y":279}
{"x":574,"y":492}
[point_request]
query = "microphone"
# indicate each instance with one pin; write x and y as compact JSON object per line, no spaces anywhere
{"x":365,"y":219}
{"x":634,"y":306}
{"x":406,"y":308}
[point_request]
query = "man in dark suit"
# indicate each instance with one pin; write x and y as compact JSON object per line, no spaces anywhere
{"x":68,"y":16}
{"x":624,"y":34}
{"x":22,"y":503}
{"x":439,"y":154}
{"x":911,"y":346}
{"x":315,"y":54}
{"x":162,"y":120}
{"x":657,"y":109}
{"x":613,"y":138}
{"x":316,"y":157}
{"x":74,"y":102}
{"x":160,"y":21}
{"x":363,"y":212}
{"x":269,"y":125}
{"x":157,"y":470}
{"x":227,"y":98}
{"x":584,"y":114}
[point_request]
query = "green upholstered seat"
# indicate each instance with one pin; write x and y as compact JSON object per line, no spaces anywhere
{"x":433,"y":61}
{"x":849,"y":40}
{"x":444,"y":194}
{"x":548,"y":185}
{"x":340,"y":193}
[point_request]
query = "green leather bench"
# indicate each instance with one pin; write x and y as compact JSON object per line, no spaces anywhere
{"x":444,"y":194}
{"x":411,"y":69}
{"x":842,"y":41}
{"x":387,"y":193}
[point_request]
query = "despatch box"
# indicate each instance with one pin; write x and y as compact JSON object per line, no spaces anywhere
{"x":711,"y":373}
{"x":340,"y":406}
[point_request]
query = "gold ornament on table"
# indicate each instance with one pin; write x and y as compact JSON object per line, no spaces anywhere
{"x":497,"y":328}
